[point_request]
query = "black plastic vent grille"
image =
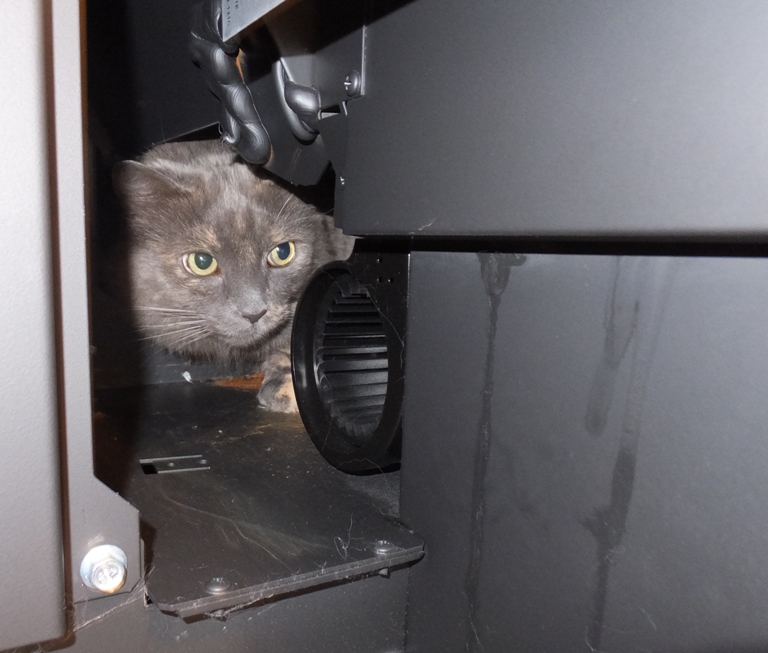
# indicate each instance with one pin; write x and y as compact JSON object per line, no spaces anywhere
{"x":348,"y":359}
{"x":351,"y":365}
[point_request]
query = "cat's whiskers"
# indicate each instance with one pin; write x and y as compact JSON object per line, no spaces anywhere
{"x":280,"y":212}
{"x":172,"y":333}
{"x":171,"y":324}
{"x":188,"y":339}
{"x":159,"y":309}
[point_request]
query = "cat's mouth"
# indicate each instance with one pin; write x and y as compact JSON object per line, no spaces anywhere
{"x":249,"y":334}
{"x":241,"y":339}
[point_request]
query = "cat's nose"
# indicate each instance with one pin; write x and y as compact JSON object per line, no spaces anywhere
{"x":254,"y":317}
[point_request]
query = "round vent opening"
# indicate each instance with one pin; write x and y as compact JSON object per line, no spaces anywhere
{"x":350,"y":359}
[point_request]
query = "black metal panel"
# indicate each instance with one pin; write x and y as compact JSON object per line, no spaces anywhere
{"x":584,"y":453}
{"x":691,"y":571}
{"x":239,"y":14}
{"x":561,"y":118}
{"x":229,"y":491}
{"x":447,"y":331}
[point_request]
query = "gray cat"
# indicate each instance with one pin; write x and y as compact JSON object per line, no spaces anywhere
{"x":217,"y":257}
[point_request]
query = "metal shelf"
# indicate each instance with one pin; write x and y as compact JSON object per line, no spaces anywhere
{"x":241,"y":508}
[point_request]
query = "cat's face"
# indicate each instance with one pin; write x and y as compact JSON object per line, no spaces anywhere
{"x":218,"y":257}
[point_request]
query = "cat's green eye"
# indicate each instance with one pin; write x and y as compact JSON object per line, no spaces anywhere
{"x":282,"y":254}
{"x":200,"y":263}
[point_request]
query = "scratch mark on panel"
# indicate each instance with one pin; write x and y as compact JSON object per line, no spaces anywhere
{"x":607,"y":524}
{"x":495,"y":269}
{"x":621,"y":312}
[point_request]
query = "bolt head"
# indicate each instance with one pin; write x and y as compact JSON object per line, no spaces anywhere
{"x":217,"y":585}
{"x":382,"y":547}
{"x":104,"y":568}
{"x":353,"y":83}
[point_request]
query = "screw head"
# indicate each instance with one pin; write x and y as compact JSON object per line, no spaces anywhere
{"x":382,"y":547}
{"x":217,"y":585}
{"x":353,"y":83}
{"x":104,"y":568}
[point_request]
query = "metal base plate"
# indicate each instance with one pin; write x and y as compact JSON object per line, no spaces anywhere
{"x":237,"y":505}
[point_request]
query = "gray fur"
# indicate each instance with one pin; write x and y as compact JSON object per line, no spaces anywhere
{"x":199,"y":196}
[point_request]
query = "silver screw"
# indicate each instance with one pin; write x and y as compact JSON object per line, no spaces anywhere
{"x":217,"y":585}
{"x":352,"y":83}
{"x":104,"y":568}
{"x":382,"y":547}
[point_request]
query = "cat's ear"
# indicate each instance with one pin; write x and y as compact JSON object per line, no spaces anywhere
{"x":138,"y":182}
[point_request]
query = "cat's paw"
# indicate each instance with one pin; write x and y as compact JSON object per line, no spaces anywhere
{"x":278,"y":395}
